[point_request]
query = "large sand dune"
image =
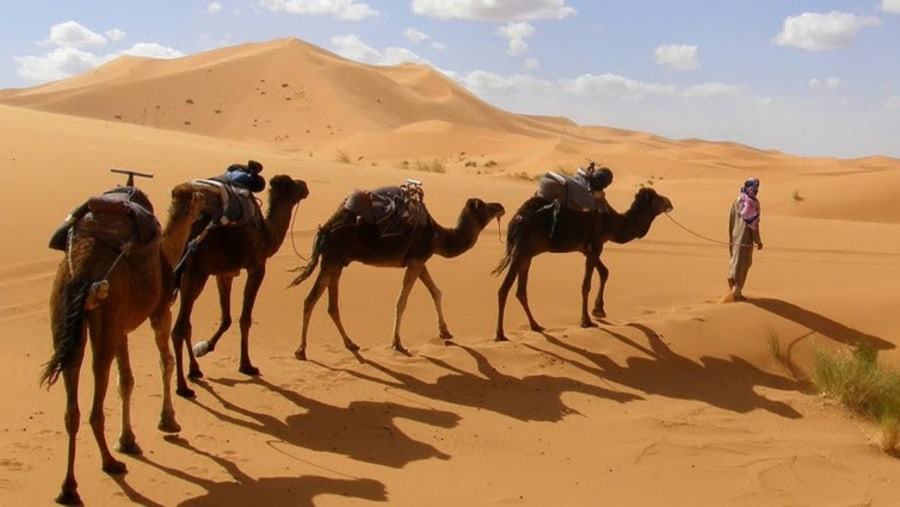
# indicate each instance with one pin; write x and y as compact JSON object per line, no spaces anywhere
{"x":674,"y":399}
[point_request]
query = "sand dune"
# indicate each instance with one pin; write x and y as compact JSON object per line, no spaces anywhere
{"x":673,"y":389}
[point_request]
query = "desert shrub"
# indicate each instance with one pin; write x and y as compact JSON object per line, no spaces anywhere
{"x":471,"y":163}
{"x":343,"y":157}
{"x":796,"y":196}
{"x":490,"y":163}
{"x":429,"y":166}
{"x":864,"y":386}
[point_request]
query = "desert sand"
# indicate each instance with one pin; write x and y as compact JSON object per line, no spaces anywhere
{"x":674,"y":399}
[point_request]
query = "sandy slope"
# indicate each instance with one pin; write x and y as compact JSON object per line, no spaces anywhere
{"x":673,"y":400}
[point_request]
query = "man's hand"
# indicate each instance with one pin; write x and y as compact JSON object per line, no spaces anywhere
{"x":759,"y":245}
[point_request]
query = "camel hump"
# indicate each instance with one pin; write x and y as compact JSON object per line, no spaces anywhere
{"x":228,"y":204}
{"x":573,"y":192}
{"x":392,"y":209}
{"x":120,"y":215}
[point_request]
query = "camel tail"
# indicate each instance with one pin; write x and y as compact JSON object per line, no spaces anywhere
{"x":69,"y":335}
{"x":307,"y":270}
{"x":512,"y":236}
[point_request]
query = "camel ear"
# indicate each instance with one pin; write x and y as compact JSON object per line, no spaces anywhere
{"x":476,"y":204}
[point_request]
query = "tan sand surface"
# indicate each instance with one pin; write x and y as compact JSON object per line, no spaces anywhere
{"x":674,"y":399}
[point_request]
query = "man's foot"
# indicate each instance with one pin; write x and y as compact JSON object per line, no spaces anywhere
{"x":731,"y":284}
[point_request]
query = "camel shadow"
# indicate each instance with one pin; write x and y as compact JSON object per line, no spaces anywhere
{"x":531,"y":398}
{"x":364,"y":430}
{"x":726,"y":384}
{"x":245,"y":490}
{"x":821,"y":324}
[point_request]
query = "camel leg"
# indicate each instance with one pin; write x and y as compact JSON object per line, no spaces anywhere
{"x":105,"y":344}
{"x":127,"y":442}
{"x":68,"y":494}
{"x":589,"y":264}
{"x":181,"y":332}
{"x":410,"y":276}
{"x":522,"y":294}
{"x":435,"y":292}
{"x":334,"y":311}
{"x":598,"y":312}
{"x":223,"y":284}
{"x":502,"y":294}
{"x":308,"y":304}
{"x":255,"y":278}
{"x":161,"y":321}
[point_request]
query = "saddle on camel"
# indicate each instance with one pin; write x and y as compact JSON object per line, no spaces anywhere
{"x":583,"y":192}
{"x":392,"y":209}
{"x":230,"y":202}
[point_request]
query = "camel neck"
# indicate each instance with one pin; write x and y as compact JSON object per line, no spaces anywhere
{"x":277,"y":221}
{"x":175,"y":234}
{"x":633,"y":224}
{"x":454,"y":242}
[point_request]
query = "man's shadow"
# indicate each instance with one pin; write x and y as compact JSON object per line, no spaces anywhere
{"x":727,"y":384}
{"x":821,"y":324}
{"x":531,"y":398}
{"x":245,"y":490}
{"x":364,"y":430}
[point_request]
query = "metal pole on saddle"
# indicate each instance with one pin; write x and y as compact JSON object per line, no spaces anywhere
{"x":131,"y":174}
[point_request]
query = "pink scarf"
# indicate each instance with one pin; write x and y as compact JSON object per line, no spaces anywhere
{"x":749,"y":209}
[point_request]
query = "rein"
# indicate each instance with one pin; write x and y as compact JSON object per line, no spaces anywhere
{"x":500,"y":232}
{"x":676,"y":222}
{"x":293,"y":244}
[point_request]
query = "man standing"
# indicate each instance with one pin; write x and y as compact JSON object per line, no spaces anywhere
{"x":743,"y":227}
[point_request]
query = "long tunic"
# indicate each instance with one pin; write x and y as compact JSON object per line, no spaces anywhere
{"x":743,"y":227}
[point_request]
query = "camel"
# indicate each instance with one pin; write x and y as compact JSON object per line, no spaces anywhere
{"x":135,"y":281}
{"x":529,"y":234}
{"x":344,"y":239}
{"x":223,"y":253}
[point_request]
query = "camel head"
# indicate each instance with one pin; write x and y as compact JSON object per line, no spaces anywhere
{"x":483,"y":212}
{"x":647,"y":198}
{"x":187,"y":203}
{"x":284,"y":188}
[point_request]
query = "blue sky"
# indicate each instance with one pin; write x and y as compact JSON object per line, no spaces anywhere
{"x":815,"y":78}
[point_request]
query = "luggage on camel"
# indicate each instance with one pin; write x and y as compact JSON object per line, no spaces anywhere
{"x":581,"y":192}
{"x":233,"y":202}
{"x":118,"y":216}
{"x":393,"y":209}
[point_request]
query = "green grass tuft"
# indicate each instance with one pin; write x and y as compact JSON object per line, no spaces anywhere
{"x":864,"y":386}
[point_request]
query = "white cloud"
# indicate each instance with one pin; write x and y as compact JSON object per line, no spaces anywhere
{"x":711,"y":90}
{"x":677,"y":56}
{"x":893,"y":103}
{"x":831,"y":83}
{"x":492,"y":10}
{"x":515,"y":33}
{"x":70,"y":34}
{"x":486,"y":83}
{"x":532,"y":64}
{"x":819,"y":32}
{"x":151,"y":50}
{"x":892,"y":6}
{"x":115,"y":34}
{"x":614,"y":85}
{"x":341,"y":9}
{"x":415,"y":36}
{"x":213,"y":8}
{"x":57,"y":64}
{"x":353,"y":48}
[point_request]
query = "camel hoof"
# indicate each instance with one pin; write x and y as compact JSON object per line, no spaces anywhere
{"x":130,"y":447}
{"x":115,"y":467}
{"x":352,"y":347}
{"x":598,"y":313}
{"x":401,"y":349}
{"x":195,"y":373}
{"x":185,"y":392}
{"x":69,"y":497}
{"x":446,"y":335}
{"x":588,"y":323}
{"x":168,"y":425}
{"x":501,"y":338}
{"x":249,"y":370}
{"x":537,"y":327}
{"x":300,"y":354}
{"x":202,"y":348}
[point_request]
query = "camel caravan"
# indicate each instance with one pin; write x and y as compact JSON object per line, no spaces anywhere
{"x":121,"y":267}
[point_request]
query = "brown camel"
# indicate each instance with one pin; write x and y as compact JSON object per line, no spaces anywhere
{"x":224,"y":252}
{"x":529,"y":234}
{"x":344,"y":239}
{"x":135,"y":283}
